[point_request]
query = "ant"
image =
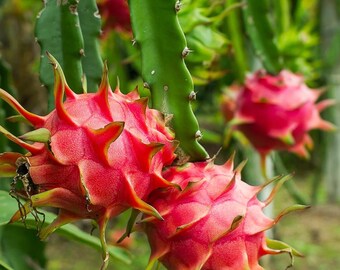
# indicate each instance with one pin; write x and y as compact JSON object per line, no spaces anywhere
{"x":23,"y":177}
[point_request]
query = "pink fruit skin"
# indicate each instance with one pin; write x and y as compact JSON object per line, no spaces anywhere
{"x":105,"y":154}
{"x":277,"y":112}
{"x":116,"y":15}
{"x":215,"y":223}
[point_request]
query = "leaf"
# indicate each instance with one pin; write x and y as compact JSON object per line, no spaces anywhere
{"x":22,"y":248}
{"x":4,"y":265}
{"x":72,"y":232}
{"x":9,"y":206}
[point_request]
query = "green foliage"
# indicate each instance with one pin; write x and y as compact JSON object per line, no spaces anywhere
{"x":201,"y":22}
{"x":5,"y":109}
{"x":283,"y":35}
{"x":299,"y":39}
{"x":20,"y":248}
{"x":9,"y":206}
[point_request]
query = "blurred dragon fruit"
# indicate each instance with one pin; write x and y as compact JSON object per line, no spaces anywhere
{"x":215,"y":223}
{"x":94,"y":156}
{"x":277,"y":112}
{"x":116,"y":15}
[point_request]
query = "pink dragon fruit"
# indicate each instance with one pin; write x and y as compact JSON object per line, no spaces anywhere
{"x":228,"y":102}
{"x":215,"y":222}
{"x":277,"y":112}
{"x":94,"y":156}
{"x":116,"y":15}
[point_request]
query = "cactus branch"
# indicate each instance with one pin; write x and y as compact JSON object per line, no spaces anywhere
{"x":90,"y":27}
{"x":58,"y":32}
{"x":261,"y":34}
{"x":163,"y":48}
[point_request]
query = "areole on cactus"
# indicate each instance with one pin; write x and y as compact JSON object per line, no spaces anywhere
{"x":94,"y":156}
{"x":276,"y":112}
{"x":216,"y":222}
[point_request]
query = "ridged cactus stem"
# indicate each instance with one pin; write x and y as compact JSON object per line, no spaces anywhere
{"x":163,"y":48}
{"x":90,"y":27}
{"x":261,"y":34}
{"x":58,"y":32}
{"x":235,"y":34}
{"x":282,"y":15}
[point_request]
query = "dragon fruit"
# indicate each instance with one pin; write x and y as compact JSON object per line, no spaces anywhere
{"x":94,"y":156}
{"x":116,"y":15}
{"x":215,"y":222}
{"x":277,"y":112}
{"x":228,"y":102}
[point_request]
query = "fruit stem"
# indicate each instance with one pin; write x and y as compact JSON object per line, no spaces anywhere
{"x":102,"y":223}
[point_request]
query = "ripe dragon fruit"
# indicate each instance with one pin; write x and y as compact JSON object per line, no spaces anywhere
{"x":94,"y":156}
{"x":215,"y":223}
{"x":228,"y":102}
{"x":116,"y":15}
{"x":277,"y":112}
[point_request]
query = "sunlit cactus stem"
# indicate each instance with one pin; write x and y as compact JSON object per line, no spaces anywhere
{"x":163,"y":48}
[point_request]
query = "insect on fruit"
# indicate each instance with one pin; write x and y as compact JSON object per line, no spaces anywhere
{"x":26,"y":191}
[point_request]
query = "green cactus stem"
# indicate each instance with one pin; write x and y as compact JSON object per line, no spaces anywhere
{"x":163,"y":48}
{"x":235,"y":35}
{"x":282,"y":15}
{"x":261,"y":34}
{"x":58,"y":32}
{"x":69,"y":30}
{"x":90,"y":27}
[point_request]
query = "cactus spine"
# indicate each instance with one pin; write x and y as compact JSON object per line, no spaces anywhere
{"x":163,"y":48}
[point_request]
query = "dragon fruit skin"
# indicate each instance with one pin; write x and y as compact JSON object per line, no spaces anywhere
{"x":104,"y":154}
{"x":277,"y":112}
{"x":116,"y":15}
{"x":216,"y":222}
